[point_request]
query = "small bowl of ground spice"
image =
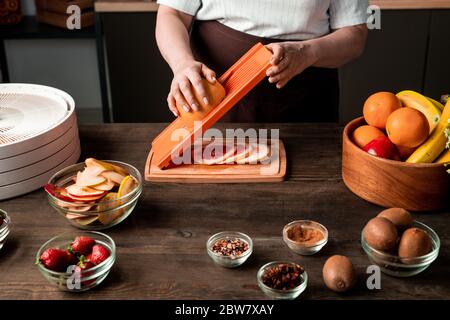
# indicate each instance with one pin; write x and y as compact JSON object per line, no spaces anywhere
{"x":229,"y":249}
{"x":305,"y":237}
{"x":282,"y":280}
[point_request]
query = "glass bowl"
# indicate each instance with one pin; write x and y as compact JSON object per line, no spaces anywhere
{"x":88,"y":279}
{"x":227,"y":261}
{"x":101,"y":215}
{"x":305,"y":249}
{"x":400,"y":267}
{"x":277,"y":294}
{"x":4,"y":227}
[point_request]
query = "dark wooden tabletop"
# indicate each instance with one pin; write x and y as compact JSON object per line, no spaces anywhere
{"x":161,"y":246}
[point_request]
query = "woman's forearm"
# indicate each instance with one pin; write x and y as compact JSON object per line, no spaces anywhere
{"x":172,"y":36}
{"x":339,"y":47}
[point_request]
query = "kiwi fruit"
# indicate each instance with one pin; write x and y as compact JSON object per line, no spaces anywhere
{"x":398,"y":216}
{"x":381,"y":234}
{"x":414,"y":243}
{"x":339,"y":274}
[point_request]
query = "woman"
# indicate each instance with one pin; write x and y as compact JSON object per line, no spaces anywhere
{"x":309,"y":40}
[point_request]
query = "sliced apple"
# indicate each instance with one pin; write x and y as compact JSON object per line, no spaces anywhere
{"x":86,"y":220}
{"x":113,"y":176}
{"x":105,"y":186}
{"x":213,"y":153}
{"x":258,"y":153}
{"x":242,"y":151}
{"x":57,"y":192}
{"x":106,"y":166}
{"x":127,"y":185}
{"x":86,"y":200}
{"x":79,"y":208}
{"x":106,"y":204}
{"x":83,"y":192}
{"x":89,"y":177}
{"x":72,"y":216}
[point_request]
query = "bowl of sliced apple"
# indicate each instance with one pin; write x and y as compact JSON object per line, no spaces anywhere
{"x":95,"y":194}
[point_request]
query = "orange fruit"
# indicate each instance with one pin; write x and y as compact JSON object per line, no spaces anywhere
{"x":407,"y":127}
{"x":379,"y":107}
{"x":365,"y":134}
{"x":215,"y":92}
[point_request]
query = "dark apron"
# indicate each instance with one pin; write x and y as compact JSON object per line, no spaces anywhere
{"x":312,"y":96}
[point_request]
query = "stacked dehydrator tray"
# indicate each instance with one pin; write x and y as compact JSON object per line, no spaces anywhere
{"x":38,"y":136}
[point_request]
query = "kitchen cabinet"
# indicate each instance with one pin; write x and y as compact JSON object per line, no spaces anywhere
{"x":437,"y":75}
{"x":409,"y":52}
{"x":395,"y":59}
{"x":139,"y":78}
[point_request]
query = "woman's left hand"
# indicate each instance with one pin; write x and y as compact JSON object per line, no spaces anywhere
{"x":289,"y":59}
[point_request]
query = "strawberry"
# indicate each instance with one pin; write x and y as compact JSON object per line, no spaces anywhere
{"x":85,"y":264}
{"x":99,"y":254}
{"x":82,"y":245}
{"x":56,"y":259}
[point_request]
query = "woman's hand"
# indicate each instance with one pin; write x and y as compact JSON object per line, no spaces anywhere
{"x":289,"y":59}
{"x":187,"y":76}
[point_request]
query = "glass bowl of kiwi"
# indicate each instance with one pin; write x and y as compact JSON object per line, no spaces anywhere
{"x":413,"y":249}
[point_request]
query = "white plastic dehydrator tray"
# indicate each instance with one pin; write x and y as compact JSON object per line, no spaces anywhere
{"x":38,"y":136}
{"x":39,"y":167}
{"x":32,"y":116}
{"x":28,"y":158}
{"x":23,"y":187}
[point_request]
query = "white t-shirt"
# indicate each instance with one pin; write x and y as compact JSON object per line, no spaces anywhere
{"x":280,"y":19}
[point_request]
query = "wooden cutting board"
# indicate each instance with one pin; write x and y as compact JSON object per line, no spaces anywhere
{"x":233,"y":173}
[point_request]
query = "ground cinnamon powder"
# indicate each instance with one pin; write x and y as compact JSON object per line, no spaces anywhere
{"x":306,"y":235}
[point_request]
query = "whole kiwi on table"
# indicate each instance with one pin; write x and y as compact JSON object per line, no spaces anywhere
{"x":339,"y":274}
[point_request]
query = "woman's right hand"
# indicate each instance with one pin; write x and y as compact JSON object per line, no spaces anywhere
{"x":188,"y":77}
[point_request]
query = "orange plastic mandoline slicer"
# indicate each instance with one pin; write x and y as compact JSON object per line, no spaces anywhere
{"x":239,"y":80}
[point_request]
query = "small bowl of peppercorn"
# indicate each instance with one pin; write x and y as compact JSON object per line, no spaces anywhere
{"x":305,"y":237}
{"x":4,"y":227}
{"x":229,"y":249}
{"x":282,"y":280}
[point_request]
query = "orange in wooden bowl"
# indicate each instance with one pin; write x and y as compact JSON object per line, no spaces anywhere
{"x":378,"y":107}
{"x":389,"y":183}
{"x":215,"y":92}
{"x":407,"y":127}
{"x":365,"y":134}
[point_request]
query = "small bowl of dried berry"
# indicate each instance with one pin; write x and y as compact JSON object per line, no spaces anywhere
{"x":229,"y":249}
{"x":282,"y":280}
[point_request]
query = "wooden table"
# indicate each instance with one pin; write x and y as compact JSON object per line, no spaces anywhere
{"x":161,"y":246}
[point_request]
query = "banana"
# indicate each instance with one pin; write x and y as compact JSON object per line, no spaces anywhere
{"x":437,"y":104}
{"x":436,"y":143}
{"x":445,"y":157}
{"x":421,"y":103}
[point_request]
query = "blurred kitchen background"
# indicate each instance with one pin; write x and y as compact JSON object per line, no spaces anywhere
{"x":113,"y":69}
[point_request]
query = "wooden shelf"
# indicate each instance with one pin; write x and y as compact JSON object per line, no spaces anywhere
{"x":125,"y":6}
{"x":152,"y":6}
{"x":411,"y":4}
{"x":30,"y":28}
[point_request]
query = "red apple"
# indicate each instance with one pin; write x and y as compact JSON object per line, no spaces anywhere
{"x":381,"y":147}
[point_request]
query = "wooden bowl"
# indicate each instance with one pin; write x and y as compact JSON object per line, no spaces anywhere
{"x":388,"y":183}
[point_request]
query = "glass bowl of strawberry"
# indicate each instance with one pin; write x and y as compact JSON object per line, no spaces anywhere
{"x":95,"y":194}
{"x":5,"y":224}
{"x":77,"y":262}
